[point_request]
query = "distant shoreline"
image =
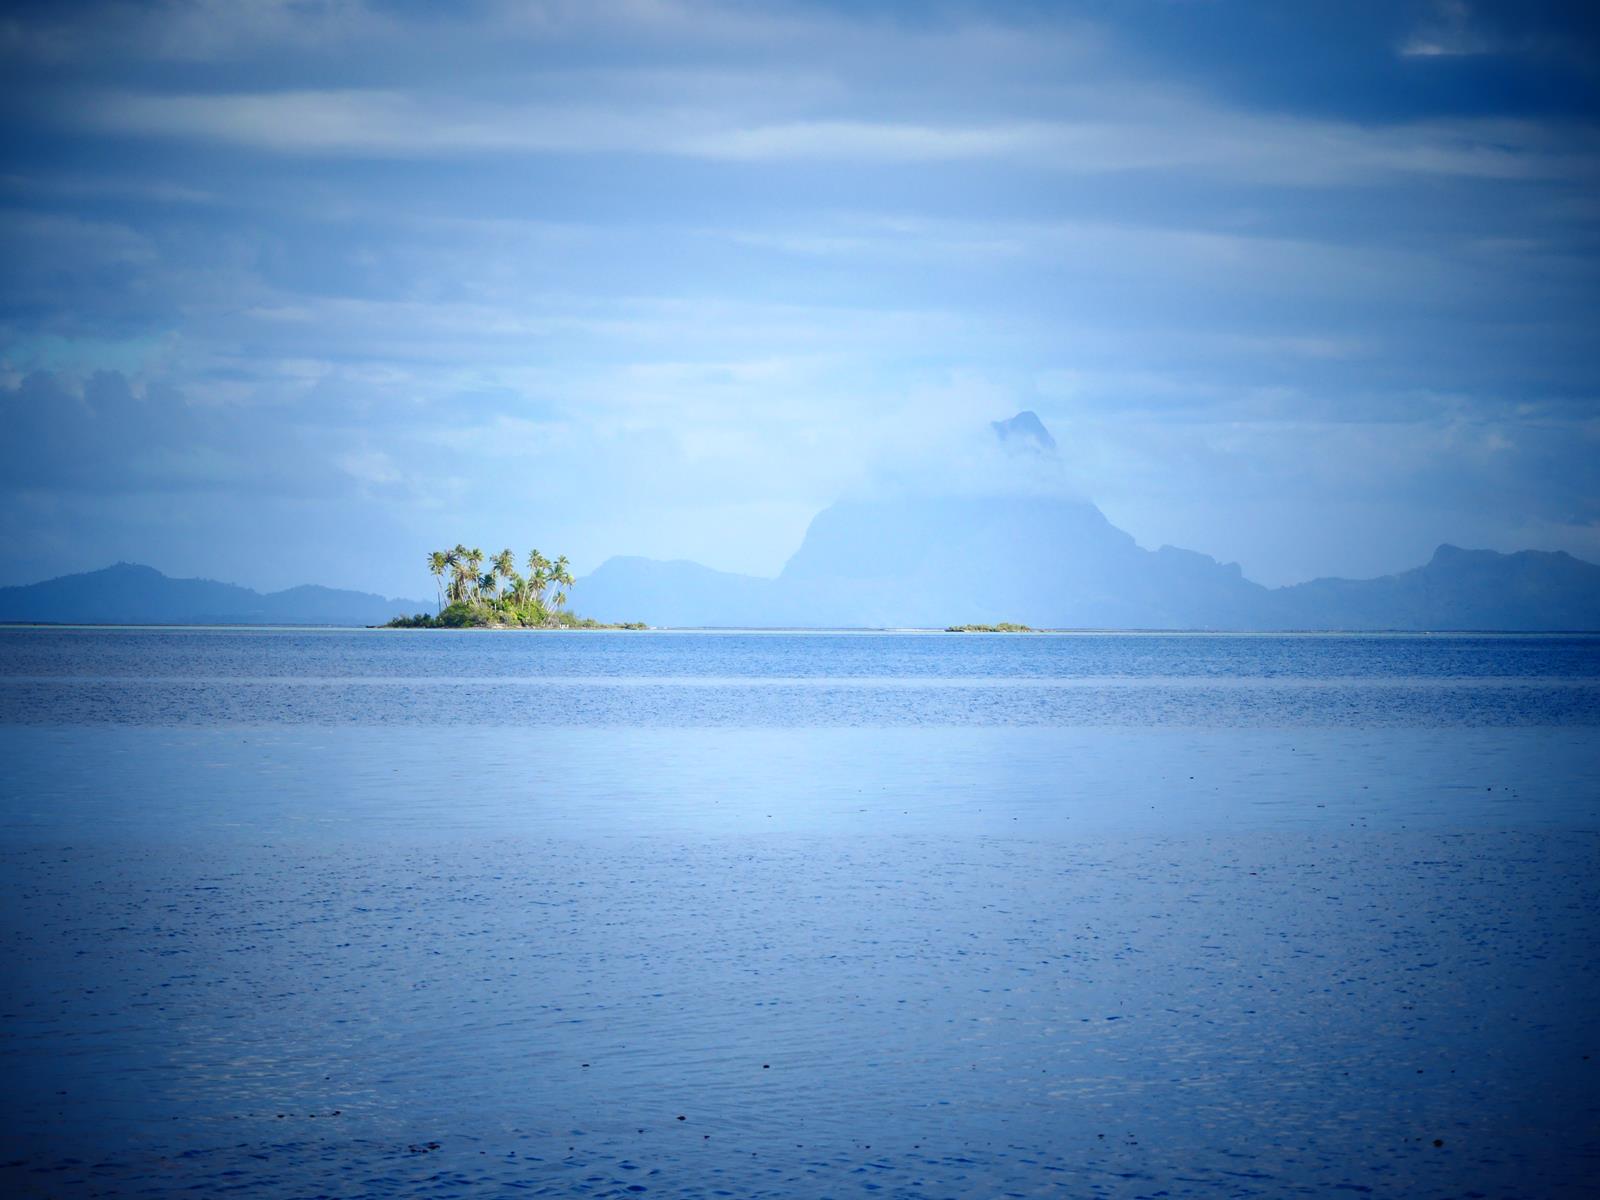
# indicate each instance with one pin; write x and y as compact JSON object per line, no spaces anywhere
{"x":858,"y":630}
{"x":502,"y":627}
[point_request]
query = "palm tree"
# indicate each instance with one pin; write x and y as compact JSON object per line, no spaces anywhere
{"x":458,"y":565}
{"x":438,"y":564}
{"x":538,"y":574}
{"x":562,"y":578}
{"x":505,"y":565}
{"x":460,"y":578}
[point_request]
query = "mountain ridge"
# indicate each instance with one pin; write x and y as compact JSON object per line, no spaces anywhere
{"x":134,"y":594}
{"x":1457,"y":590}
{"x":1556,"y":591}
{"x":1053,"y":561}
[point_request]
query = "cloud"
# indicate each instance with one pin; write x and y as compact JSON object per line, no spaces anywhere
{"x":187,"y":31}
{"x":664,"y":276}
{"x":1450,"y":34}
{"x":1174,"y":135}
{"x":864,"y":141}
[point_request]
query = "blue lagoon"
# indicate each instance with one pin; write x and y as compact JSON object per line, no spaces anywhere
{"x":369,"y":913}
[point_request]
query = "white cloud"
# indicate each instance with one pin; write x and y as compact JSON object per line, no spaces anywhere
{"x":1164,"y":133}
{"x":864,"y":141}
{"x":713,"y":311}
{"x":1450,"y":35}
{"x":369,"y":467}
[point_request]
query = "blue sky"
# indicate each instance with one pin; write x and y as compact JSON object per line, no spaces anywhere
{"x":297,"y":291}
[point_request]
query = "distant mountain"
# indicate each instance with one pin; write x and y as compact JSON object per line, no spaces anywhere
{"x":682,"y":594}
{"x":1058,"y":563}
{"x":1456,"y":589}
{"x":127,"y":594}
{"x":1024,"y":430}
{"x":1039,"y":560}
{"x":931,"y":561}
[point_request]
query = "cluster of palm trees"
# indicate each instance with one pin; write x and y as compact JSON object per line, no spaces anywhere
{"x":461,"y":579}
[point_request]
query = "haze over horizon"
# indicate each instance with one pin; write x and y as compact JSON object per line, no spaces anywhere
{"x":296,"y":292}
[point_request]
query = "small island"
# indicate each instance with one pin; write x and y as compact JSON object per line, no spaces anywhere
{"x":1002,"y":627}
{"x":501,"y":597}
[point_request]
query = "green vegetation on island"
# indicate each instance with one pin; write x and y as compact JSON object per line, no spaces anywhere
{"x":1002,"y":627}
{"x":500,"y":597}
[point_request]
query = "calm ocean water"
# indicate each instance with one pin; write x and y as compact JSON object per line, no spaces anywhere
{"x":304,"y":913}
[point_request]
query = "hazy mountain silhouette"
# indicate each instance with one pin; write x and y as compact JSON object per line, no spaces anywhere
{"x":136,"y":595}
{"x":1058,"y":563}
{"x":1456,"y":589}
{"x":1042,"y":561}
{"x":1024,"y":430}
{"x":927,"y":561}
{"x":679,"y":593}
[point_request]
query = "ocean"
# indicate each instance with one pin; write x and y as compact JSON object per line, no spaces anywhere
{"x":425,"y":913}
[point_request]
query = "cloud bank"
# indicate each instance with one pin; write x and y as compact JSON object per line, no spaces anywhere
{"x":666,"y":278}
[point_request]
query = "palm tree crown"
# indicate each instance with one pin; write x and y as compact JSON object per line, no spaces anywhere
{"x":438,"y":564}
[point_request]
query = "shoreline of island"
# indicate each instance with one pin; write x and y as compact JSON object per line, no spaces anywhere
{"x":501,"y":597}
{"x":998,"y":627}
{"x":477,"y":618}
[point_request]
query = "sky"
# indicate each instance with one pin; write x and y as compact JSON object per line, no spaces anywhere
{"x":296,"y":292}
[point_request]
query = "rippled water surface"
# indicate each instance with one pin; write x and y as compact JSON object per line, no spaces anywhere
{"x":303,"y":913}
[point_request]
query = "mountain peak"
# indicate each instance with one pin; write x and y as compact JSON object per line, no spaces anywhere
{"x":1024,"y":430}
